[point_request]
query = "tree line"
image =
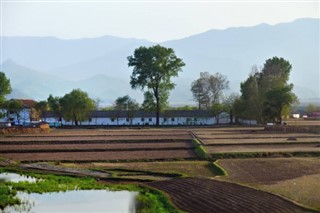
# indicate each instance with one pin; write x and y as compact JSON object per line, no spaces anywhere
{"x":265,"y":95}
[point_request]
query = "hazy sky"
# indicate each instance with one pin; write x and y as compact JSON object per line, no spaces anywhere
{"x":153,"y":20}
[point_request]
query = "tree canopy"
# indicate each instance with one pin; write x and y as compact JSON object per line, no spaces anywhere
{"x":76,"y":106}
{"x":153,"y":68}
{"x":5,"y":87}
{"x":266,"y":94}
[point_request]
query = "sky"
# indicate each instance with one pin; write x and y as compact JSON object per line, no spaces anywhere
{"x":153,"y":20}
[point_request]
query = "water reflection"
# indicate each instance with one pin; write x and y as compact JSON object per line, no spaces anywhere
{"x":13,"y":177}
{"x":76,"y":201}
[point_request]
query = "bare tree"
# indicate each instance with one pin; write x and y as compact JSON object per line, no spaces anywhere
{"x":208,"y":89}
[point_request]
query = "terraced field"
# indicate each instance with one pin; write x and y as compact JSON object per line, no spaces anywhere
{"x":167,"y":156}
{"x":99,"y":145}
{"x":256,"y":140}
{"x":206,"y":195}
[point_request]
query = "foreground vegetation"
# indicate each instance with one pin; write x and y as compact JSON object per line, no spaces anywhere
{"x":148,"y":200}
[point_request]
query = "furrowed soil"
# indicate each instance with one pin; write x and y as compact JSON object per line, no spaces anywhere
{"x":99,"y":145}
{"x":295,"y":178}
{"x":206,"y":195}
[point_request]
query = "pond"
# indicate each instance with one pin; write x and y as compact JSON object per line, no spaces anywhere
{"x":76,"y":201}
{"x":13,"y":177}
{"x":71,"y":201}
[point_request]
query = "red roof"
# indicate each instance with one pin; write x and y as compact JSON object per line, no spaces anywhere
{"x":27,"y":102}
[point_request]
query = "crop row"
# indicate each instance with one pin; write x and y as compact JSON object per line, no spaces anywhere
{"x":102,"y":156}
{"x":205,"y":195}
{"x":93,"y":146}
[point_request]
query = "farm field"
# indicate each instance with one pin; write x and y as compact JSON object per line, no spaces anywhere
{"x":292,"y":147}
{"x":206,"y":195}
{"x":295,"y":178}
{"x":186,"y":168}
{"x":113,"y":145}
{"x":168,"y":159}
{"x":255,"y":140}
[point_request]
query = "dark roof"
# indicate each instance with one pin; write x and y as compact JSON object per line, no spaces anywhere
{"x":143,"y":114}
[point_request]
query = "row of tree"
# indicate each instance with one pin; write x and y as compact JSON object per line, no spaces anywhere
{"x":265,"y":95}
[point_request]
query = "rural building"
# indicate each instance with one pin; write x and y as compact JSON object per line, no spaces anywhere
{"x":27,"y":115}
{"x":170,"y":117}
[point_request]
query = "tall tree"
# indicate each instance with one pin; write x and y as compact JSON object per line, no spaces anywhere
{"x":266,"y":94}
{"x":128,"y":104}
{"x":199,"y":92}
{"x":229,"y":105}
{"x":5,"y":87}
{"x":76,"y":106}
{"x":41,"y":107}
{"x":55,"y":106}
{"x":208,"y":89}
{"x":153,"y":68}
{"x":276,"y":101}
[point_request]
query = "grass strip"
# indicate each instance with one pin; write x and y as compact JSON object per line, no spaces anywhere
{"x":199,"y":149}
{"x":216,"y":169}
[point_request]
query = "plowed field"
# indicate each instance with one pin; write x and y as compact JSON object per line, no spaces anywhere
{"x":205,"y":195}
{"x":99,"y":145}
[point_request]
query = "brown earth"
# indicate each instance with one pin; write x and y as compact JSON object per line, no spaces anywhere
{"x":293,"y":147}
{"x":93,"y":146}
{"x":94,"y":138}
{"x":269,"y":171}
{"x":206,"y":195}
{"x":101,"y":156}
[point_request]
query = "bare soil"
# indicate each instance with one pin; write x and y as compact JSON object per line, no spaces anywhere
{"x":293,"y":147}
{"x":206,"y":195}
{"x":269,"y":171}
{"x":101,"y":156}
{"x":93,"y":146}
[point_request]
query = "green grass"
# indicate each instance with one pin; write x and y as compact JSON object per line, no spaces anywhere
{"x":148,"y":199}
{"x":199,"y":149}
{"x":216,"y":169}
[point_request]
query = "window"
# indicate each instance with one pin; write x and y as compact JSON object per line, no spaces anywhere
{"x":127,"y":119}
{"x":112,"y":119}
{"x":142,"y":119}
{"x":165,"y":119}
{"x":150,"y":119}
{"x":172,"y":119}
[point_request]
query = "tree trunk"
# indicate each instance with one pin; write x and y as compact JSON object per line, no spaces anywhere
{"x":75,"y":119}
{"x":158,"y":109}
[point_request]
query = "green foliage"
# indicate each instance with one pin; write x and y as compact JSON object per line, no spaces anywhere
{"x":54,"y":104}
{"x":150,"y":200}
{"x":216,"y":169}
{"x":199,"y":149}
{"x":265,"y":94}
{"x":13,"y":107}
{"x":276,"y":101}
{"x":7,"y":196}
{"x":126,"y":103}
{"x":153,"y":68}
{"x":150,"y":103}
{"x":5,"y":87}
{"x":76,"y":106}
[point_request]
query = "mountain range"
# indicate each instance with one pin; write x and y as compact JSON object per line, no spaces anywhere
{"x":39,"y":66}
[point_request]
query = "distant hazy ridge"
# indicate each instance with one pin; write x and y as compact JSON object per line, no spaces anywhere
{"x":39,"y":66}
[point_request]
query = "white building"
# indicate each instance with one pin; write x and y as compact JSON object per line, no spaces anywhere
{"x":24,"y":117}
{"x":171,"y":117}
